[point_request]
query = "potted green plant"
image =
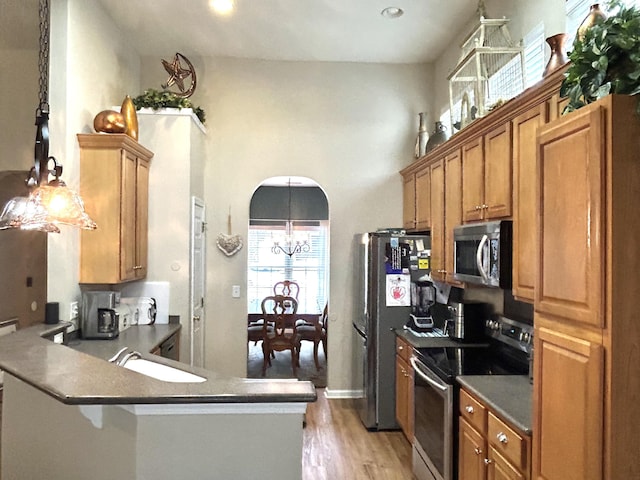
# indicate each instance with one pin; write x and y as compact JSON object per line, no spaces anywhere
{"x":605,"y":60}
{"x":156,"y":100}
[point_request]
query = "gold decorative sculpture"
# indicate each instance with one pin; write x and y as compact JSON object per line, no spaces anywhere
{"x":109,"y":121}
{"x":128,"y":111}
{"x":178,"y":74}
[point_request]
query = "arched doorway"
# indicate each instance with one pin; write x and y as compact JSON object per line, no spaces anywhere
{"x":285,"y":213}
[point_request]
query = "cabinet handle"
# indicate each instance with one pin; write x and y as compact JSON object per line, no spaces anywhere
{"x":469,"y":409}
{"x":137,"y":267}
{"x":196,"y":318}
{"x":478,"y":451}
{"x":488,"y":461}
{"x":485,"y":207}
{"x":400,"y":348}
{"x":477,"y":207}
{"x":502,"y":438}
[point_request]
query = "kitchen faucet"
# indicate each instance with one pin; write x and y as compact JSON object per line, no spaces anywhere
{"x":120,"y":360}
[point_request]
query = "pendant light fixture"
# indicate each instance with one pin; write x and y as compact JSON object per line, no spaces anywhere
{"x":291,"y":243}
{"x":50,"y":202}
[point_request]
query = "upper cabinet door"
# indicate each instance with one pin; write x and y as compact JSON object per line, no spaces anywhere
{"x":453,"y":208}
{"x":438,"y":269}
{"x":570,"y":189}
{"x":423,"y":199}
{"x":525,"y":130}
{"x":409,"y":202}
{"x":497,"y":173}
{"x":473,"y":180}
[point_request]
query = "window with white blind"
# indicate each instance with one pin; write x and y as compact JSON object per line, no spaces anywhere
{"x":309,"y":270}
{"x":577,"y":10}
{"x":534,"y":55}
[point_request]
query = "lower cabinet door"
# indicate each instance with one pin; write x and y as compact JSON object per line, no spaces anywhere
{"x":501,"y":469}
{"x":472,"y":453}
{"x":568,"y":407}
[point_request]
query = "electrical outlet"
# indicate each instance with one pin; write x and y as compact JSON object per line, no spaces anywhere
{"x":73,"y":311}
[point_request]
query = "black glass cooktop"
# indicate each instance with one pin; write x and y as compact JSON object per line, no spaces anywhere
{"x":449,"y":362}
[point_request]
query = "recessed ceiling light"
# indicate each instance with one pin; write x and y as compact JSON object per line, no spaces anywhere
{"x":392,"y":12}
{"x":221,"y":7}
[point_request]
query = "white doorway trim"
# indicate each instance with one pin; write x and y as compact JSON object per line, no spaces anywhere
{"x":197,"y":283}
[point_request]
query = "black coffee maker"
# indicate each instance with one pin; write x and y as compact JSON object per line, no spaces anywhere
{"x":423,"y":297}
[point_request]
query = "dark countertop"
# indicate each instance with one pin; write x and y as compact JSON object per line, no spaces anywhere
{"x":417,"y":341}
{"x":79,"y":374}
{"x":144,"y":338}
{"x":510,"y":396}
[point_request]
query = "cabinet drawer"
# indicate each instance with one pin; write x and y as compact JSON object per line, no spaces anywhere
{"x":507,"y":442}
{"x":403,"y":349}
{"x":473,"y":411}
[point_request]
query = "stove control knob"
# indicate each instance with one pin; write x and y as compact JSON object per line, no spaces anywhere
{"x":495,"y":326}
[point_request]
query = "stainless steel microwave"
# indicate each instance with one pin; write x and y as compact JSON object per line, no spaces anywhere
{"x":482,"y":253}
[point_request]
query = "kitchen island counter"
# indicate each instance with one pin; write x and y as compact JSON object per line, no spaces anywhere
{"x":80,"y":375}
{"x":153,"y":428}
{"x":508,"y":395}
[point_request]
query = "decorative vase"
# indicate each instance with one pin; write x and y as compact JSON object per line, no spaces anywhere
{"x":595,"y":16}
{"x":423,"y":136}
{"x":438,"y":136}
{"x":128,"y":110}
{"x":558,"y":54}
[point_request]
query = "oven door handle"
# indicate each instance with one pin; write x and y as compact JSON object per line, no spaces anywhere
{"x":479,"y":259}
{"x":430,"y":381}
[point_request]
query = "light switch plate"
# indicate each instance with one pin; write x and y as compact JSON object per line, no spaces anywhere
{"x":235,"y":291}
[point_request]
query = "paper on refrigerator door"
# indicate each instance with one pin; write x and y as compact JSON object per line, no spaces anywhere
{"x":398,"y":290}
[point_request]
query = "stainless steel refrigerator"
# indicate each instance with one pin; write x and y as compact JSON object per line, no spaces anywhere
{"x":385,"y":265}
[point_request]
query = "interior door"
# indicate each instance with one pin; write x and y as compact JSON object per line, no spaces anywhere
{"x":198,"y":281}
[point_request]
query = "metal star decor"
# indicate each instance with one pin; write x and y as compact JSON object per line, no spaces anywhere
{"x":177,"y":75}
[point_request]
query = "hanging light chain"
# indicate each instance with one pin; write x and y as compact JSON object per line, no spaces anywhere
{"x":44,"y":13}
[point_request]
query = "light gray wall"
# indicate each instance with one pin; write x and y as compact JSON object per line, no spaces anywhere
{"x":348,"y":127}
{"x":92,"y":69}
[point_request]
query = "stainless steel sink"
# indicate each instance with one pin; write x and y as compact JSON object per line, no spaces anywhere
{"x":162,"y":372}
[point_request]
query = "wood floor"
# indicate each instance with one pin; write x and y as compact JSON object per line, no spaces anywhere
{"x":338,"y":447}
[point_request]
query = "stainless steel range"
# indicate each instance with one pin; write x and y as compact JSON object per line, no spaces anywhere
{"x":506,"y":352}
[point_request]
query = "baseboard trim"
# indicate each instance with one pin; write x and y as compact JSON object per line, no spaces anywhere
{"x":329,"y":393}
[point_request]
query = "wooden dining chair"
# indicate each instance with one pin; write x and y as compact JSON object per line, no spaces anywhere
{"x":315,"y":330}
{"x":279,"y":313}
{"x":288,"y":288}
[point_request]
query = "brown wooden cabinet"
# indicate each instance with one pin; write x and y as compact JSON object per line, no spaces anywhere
{"x":452,"y":209}
{"x":423,"y":198}
{"x":525,"y":129}
{"x":404,"y":388}
{"x":114,"y":183}
{"x":409,"y":201}
{"x":438,"y":266}
{"x":489,"y":448}
{"x":473,"y":180}
{"x":472,"y":453}
{"x":487,"y":182}
{"x":587,"y":334}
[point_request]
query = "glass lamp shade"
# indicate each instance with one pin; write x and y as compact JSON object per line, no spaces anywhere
{"x":56,"y":204}
{"x":17,"y":210}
